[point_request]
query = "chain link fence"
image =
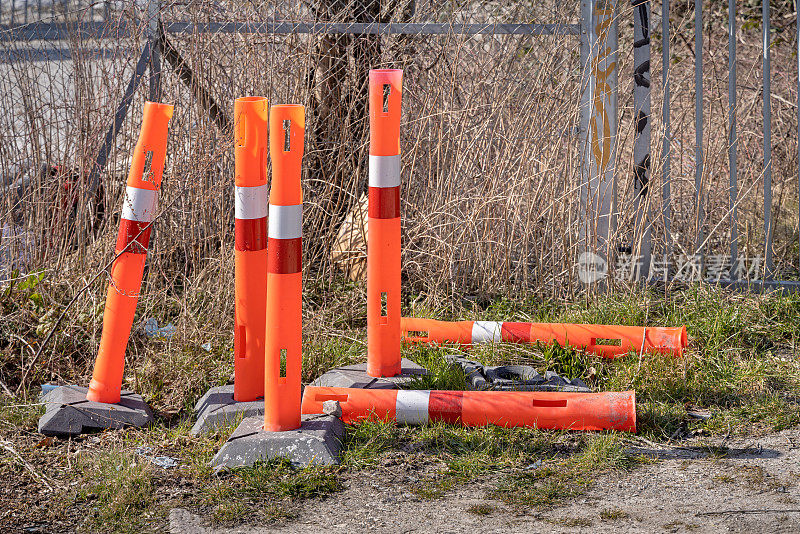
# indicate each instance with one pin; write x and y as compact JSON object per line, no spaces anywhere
{"x":491,"y":148}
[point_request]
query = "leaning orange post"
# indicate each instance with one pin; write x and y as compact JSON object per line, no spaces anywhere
{"x":383,"y":223}
{"x":252,"y":117}
{"x":138,"y":211}
{"x":283,"y":339}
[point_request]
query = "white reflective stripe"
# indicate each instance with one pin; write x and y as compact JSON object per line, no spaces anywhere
{"x":384,"y":171}
{"x":412,"y":406}
{"x":285,"y":222}
{"x":139,"y":204}
{"x":483,"y":331}
{"x":251,"y":202}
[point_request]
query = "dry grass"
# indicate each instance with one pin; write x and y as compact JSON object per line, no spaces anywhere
{"x":490,"y":172}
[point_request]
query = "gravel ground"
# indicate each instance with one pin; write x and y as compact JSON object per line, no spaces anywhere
{"x":752,"y":487}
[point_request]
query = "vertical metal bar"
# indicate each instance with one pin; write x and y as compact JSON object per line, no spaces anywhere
{"x":765,"y":67}
{"x":641,"y":148}
{"x":587,"y":97}
{"x":603,"y":124}
{"x":602,"y":130}
{"x":613,"y":82}
{"x":665,"y":143}
{"x":698,"y":124}
{"x":733,"y":139}
{"x":599,"y":143}
{"x":587,"y":245}
{"x":153,"y":20}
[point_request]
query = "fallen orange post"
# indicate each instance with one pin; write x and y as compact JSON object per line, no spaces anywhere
{"x":608,"y":341}
{"x":383,"y":223}
{"x":283,"y":339}
{"x":138,"y":212}
{"x":252,"y":118}
{"x":544,"y":410}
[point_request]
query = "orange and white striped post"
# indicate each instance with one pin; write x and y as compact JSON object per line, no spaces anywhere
{"x":283,"y":340}
{"x":383,"y":223}
{"x":540,"y":409}
{"x":252,"y":118}
{"x":138,"y":212}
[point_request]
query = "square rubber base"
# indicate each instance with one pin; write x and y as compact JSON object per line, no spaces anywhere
{"x":217,"y":409}
{"x":355,"y":376}
{"x":318,"y":441}
{"x":69,"y":413}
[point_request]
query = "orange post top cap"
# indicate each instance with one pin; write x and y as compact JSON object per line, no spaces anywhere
{"x":251,"y":116}
{"x":152,"y":138}
{"x":287,"y":126}
{"x":384,"y":121}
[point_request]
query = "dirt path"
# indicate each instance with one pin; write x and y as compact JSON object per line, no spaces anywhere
{"x":752,"y":487}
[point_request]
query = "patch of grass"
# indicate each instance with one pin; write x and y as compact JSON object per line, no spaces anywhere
{"x":18,"y":414}
{"x":714,"y":451}
{"x":323,"y":353}
{"x":433,"y":489}
{"x":482,"y":509}
{"x":269,"y":491}
{"x":565,"y":477}
{"x":366,"y":442}
{"x":441,"y":375}
{"x":119,"y":489}
{"x":192,"y":452}
{"x":613,"y":514}
{"x":468,"y":453}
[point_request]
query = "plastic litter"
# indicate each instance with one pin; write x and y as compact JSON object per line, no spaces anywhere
{"x":164,"y":462}
{"x":513,"y":378}
{"x":152,"y":330}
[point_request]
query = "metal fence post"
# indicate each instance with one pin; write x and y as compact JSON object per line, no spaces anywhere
{"x":598,"y":195}
{"x":765,"y":71}
{"x":733,"y":140}
{"x":698,"y":126}
{"x":587,"y":89}
{"x":153,"y":21}
{"x":641,"y":148}
{"x":665,"y":144}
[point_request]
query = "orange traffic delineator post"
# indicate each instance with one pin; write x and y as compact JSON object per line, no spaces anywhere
{"x":544,"y":410}
{"x":608,"y":341}
{"x":383,"y":224}
{"x":283,"y":339}
{"x":138,"y":212}
{"x":252,"y":119}
{"x":260,"y":438}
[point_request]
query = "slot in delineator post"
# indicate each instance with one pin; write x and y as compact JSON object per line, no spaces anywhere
{"x":608,"y":342}
{"x":287,"y":131}
{"x":387,"y":90}
{"x":283,"y":363}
